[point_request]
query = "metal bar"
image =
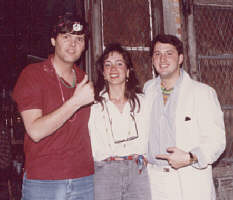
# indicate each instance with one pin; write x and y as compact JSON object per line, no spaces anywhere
{"x":136,"y":48}
{"x":150,"y":14}
{"x":227,"y":107}
{"x":198,"y":75}
{"x":215,"y":5}
{"x":102,"y":24}
{"x":222,"y":56}
{"x":218,"y":3}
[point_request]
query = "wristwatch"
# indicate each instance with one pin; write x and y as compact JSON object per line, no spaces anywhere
{"x":192,"y":159}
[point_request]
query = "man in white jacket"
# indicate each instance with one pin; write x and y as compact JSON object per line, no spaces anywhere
{"x":185,"y":126}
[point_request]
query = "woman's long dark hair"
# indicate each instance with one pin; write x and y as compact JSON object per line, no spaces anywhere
{"x":132,"y":84}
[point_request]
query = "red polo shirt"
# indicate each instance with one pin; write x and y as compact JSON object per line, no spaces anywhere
{"x":67,"y":152}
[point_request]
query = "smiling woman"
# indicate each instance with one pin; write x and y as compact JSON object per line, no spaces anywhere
{"x":115,"y":69}
{"x":116,"y":129}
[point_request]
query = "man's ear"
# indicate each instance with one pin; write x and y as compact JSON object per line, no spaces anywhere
{"x":53,"y":42}
{"x":181,"y":58}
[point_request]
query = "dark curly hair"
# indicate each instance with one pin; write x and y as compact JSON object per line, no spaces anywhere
{"x":132,"y":84}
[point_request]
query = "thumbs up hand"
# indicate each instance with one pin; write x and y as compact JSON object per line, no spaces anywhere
{"x":84,"y":92}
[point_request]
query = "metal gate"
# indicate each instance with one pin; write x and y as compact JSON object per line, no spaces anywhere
{"x":214,"y":36}
{"x":213,"y":27}
{"x":130,"y":23}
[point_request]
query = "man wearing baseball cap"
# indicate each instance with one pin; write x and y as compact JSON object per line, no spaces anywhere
{"x":53,"y":98}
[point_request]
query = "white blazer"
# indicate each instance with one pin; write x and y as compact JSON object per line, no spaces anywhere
{"x":203,"y":134}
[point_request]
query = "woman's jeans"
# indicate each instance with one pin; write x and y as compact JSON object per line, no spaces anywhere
{"x":120,"y":180}
{"x":68,"y":189}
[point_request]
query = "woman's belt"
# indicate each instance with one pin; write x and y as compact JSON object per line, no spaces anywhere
{"x":139,"y":159}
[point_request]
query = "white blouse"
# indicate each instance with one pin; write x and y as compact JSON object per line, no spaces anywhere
{"x":114,"y":133}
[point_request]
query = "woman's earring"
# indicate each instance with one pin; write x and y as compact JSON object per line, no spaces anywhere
{"x":153,"y":71}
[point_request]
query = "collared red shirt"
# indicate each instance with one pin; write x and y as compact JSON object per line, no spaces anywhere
{"x":65,"y":154}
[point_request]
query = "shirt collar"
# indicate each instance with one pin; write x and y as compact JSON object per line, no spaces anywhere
{"x":178,"y":81}
{"x":48,"y":66}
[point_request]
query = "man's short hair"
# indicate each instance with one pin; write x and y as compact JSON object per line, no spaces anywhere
{"x":168,"y":39}
{"x":70,"y":24}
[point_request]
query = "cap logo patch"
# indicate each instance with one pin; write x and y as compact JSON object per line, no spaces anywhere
{"x":77,"y":27}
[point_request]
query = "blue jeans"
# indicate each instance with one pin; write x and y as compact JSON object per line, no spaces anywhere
{"x":68,"y":189}
{"x":120,"y":180}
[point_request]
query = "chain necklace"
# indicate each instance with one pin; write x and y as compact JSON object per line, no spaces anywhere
{"x":61,"y":91}
{"x":59,"y":80}
{"x":64,"y":83}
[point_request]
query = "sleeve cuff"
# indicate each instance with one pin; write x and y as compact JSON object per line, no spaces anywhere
{"x":201,"y":163}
